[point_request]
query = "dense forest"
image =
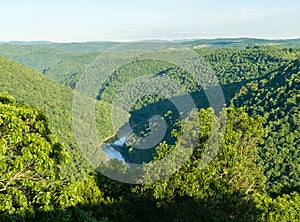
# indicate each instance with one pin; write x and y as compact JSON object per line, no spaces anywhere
{"x":254,"y":176}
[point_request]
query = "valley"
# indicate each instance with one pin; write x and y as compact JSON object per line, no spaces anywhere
{"x":252,"y":176}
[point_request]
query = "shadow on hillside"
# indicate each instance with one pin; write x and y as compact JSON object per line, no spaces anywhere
{"x":139,"y":120}
{"x":131,"y":207}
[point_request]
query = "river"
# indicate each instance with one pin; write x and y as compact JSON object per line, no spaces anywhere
{"x":112,"y":153}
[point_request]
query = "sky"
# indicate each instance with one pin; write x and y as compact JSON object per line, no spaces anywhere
{"x":128,"y":20}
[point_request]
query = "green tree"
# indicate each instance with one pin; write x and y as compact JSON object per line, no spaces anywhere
{"x":29,"y":158}
{"x":222,"y":191}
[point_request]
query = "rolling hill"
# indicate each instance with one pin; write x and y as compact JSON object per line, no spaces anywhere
{"x":35,"y":89}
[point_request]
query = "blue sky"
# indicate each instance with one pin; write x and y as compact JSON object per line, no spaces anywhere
{"x":126,"y":20}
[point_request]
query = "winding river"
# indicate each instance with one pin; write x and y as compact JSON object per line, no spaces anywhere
{"x":111,"y":153}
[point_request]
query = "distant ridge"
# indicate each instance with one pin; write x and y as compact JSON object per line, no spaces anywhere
{"x":50,"y":42}
{"x":43,"y":42}
{"x":94,"y":45}
{"x":28,"y":43}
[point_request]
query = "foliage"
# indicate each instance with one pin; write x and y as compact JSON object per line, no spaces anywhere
{"x":276,"y":96}
{"x":282,"y":208}
{"x":56,"y":101}
{"x":29,"y":155}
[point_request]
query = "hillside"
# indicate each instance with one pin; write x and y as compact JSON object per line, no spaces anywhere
{"x":276,"y":96}
{"x":35,"y":89}
{"x":240,"y":42}
{"x":65,"y":62}
{"x":69,"y":70}
{"x":38,"y":57}
{"x":233,"y":68}
{"x":62,"y":62}
{"x":264,"y":80}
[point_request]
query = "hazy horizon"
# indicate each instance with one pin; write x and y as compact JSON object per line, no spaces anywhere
{"x":133,"y":40}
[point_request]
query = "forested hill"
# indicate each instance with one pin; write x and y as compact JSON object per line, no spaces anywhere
{"x":276,"y":96}
{"x":35,"y":89}
{"x":233,"y":68}
{"x":57,"y":60}
{"x":241,"y":42}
